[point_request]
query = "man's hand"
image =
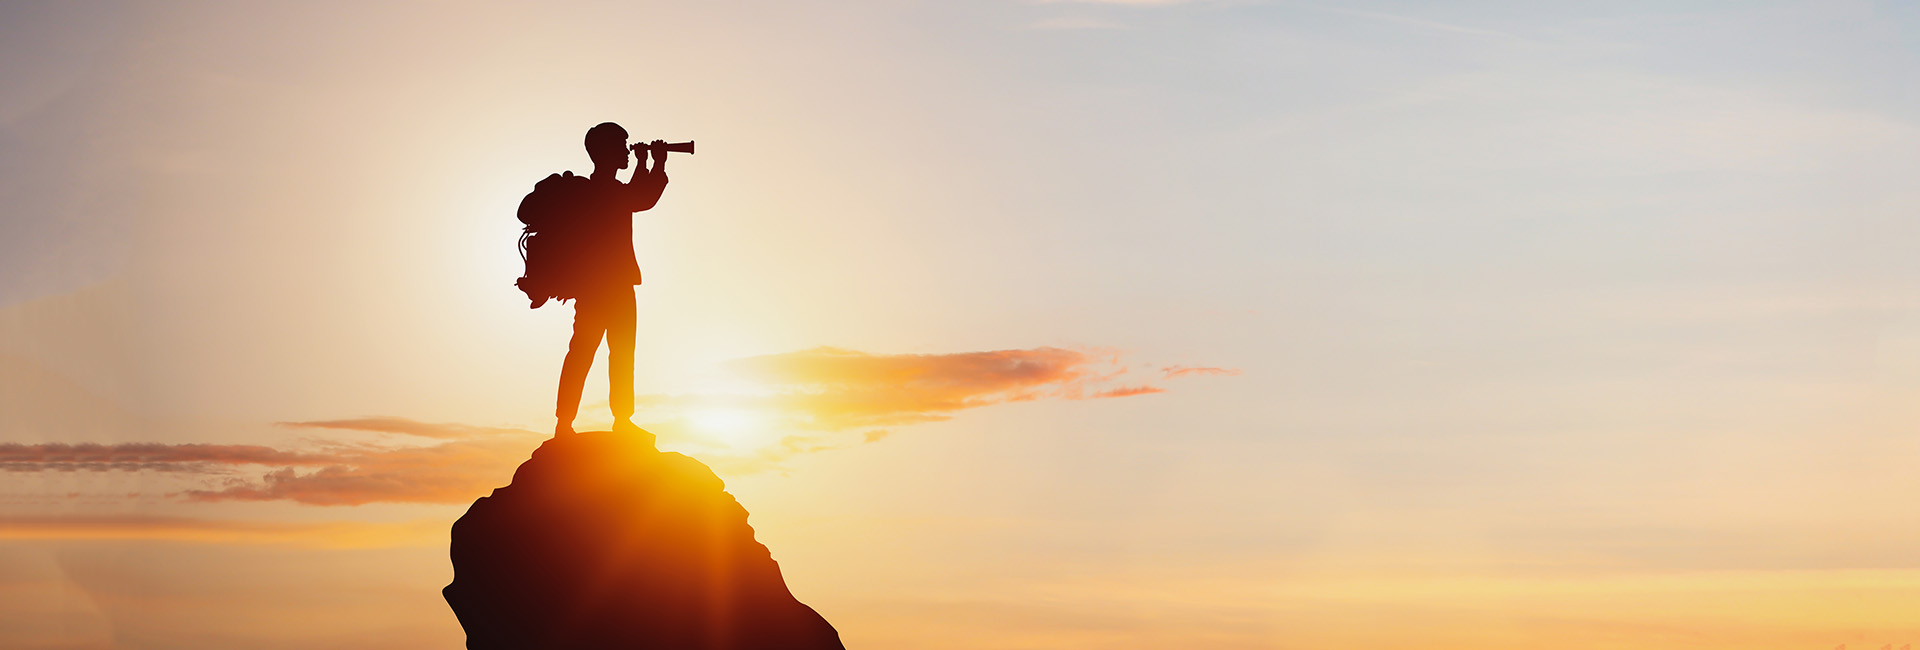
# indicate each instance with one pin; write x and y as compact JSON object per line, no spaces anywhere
{"x":659,"y":149}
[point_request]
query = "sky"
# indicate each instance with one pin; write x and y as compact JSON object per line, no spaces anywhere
{"x":1014,"y":324}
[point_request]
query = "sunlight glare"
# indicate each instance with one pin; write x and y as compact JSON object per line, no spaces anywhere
{"x":733,"y":426}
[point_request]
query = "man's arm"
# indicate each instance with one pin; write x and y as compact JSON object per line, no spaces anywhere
{"x":659,"y":156}
{"x":646,"y":186}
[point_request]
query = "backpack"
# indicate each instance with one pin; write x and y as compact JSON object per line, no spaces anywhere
{"x":549,"y":243}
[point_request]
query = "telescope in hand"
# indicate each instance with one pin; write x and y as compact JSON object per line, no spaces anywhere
{"x":664,"y":147}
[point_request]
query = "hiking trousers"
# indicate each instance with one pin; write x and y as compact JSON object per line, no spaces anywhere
{"x":611,"y":314}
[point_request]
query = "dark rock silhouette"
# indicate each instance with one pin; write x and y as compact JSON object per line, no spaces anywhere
{"x":602,"y":541}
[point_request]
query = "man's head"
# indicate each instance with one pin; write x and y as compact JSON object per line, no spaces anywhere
{"x":607,"y":146}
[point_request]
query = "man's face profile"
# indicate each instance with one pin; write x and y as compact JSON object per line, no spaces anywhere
{"x":607,"y":146}
{"x":611,"y":154}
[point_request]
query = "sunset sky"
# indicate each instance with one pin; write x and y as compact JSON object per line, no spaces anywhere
{"x":1014,"y":324}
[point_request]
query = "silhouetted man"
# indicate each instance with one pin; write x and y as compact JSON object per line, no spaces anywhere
{"x":607,"y":272}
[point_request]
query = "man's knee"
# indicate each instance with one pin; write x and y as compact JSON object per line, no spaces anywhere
{"x":584,"y":341}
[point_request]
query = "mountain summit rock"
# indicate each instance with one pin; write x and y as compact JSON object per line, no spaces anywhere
{"x":603,"y":541}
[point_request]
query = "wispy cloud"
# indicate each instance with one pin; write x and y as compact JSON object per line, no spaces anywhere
{"x":820,"y":398}
{"x":813,"y":400}
{"x":148,"y":456}
{"x":449,"y":472}
{"x":1129,"y":391}
{"x":836,"y":389}
{"x":330,"y":473}
{"x":1176,"y":372}
{"x":341,"y":534}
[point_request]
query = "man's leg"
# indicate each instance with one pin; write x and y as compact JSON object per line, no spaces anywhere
{"x":621,"y":317}
{"x":589,"y":324}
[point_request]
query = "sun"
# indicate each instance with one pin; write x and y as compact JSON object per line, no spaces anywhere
{"x":733,"y":426}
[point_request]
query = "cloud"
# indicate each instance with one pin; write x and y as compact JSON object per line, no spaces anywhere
{"x":149,"y":456}
{"x":1129,"y":391}
{"x":818,"y":399}
{"x":836,"y":389}
{"x":333,"y":535}
{"x":1176,"y":372}
{"x":330,"y":473}
{"x":449,"y":472}
{"x":814,"y":400}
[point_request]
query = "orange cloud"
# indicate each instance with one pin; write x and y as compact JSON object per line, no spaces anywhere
{"x":1176,"y":372}
{"x":1128,"y":391}
{"x":819,"y":395}
{"x":836,"y":389}
{"x":343,"y":534}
